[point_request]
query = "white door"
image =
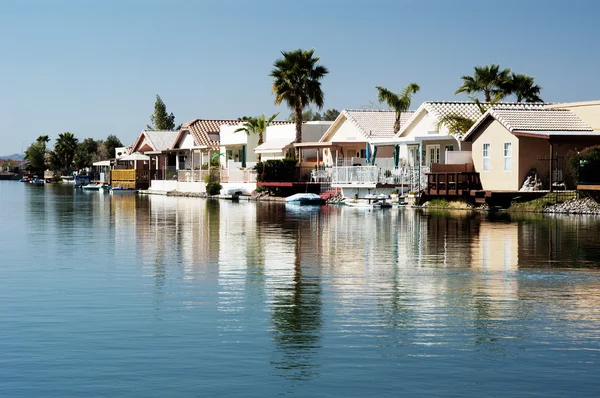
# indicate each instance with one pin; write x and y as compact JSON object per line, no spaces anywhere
{"x":433,"y":154}
{"x":413,"y":156}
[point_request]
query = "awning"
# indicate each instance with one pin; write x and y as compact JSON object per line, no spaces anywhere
{"x":135,"y":156}
{"x":414,"y":140}
{"x":102,"y":163}
{"x":274,"y":146}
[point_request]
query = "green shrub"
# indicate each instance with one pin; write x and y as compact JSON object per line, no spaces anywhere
{"x":276,"y":170}
{"x":583,"y":166}
{"x":213,"y":188}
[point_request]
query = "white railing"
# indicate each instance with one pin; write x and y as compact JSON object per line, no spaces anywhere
{"x":413,"y":177}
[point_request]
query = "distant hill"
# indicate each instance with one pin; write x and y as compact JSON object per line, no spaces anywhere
{"x":14,"y":156}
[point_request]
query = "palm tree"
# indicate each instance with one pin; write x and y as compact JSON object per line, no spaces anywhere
{"x":398,"y":102}
{"x":489,"y":80}
{"x":524,"y":88}
{"x":296,"y":81}
{"x":458,"y":124}
{"x":64,"y":149}
{"x":257,"y":125}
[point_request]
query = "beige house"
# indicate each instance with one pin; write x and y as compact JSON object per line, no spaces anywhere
{"x":510,"y":145}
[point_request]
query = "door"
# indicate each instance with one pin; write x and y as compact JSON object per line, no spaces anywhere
{"x":413,"y":156}
{"x":433,"y":154}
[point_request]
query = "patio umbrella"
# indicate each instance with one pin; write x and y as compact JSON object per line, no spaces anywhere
{"x":368,"y":153}
{"x":244,"y":156}
{"x":396,"y":155}
{"x":373,"y":157}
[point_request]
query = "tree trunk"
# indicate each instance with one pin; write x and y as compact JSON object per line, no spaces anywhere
{"x":488,"y":97}
{"x":298,"y":130}
{"x":260,"y":141}
{"x":397,"y":123}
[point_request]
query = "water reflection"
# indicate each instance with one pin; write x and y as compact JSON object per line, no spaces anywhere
{"x":296,"y":303}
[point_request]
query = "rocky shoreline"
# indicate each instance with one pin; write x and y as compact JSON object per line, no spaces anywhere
{"x":575,"y":206}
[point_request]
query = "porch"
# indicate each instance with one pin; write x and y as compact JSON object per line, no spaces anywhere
{"x":452,"y":180}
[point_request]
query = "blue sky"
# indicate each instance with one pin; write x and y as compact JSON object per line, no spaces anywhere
{"x":94,"y":67}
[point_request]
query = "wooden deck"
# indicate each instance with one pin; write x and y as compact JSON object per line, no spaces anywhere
{"x":130,"y":179}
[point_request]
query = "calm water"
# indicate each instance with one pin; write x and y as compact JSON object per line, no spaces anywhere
{"x":180,"y":297}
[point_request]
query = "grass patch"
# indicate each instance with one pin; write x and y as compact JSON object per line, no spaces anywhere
{"x":540,"y":204}
{"x":438,"y":203}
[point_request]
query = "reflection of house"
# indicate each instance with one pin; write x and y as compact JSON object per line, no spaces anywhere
{"x":508,"y":144}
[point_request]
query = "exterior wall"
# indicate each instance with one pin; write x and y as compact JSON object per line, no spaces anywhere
{"x":496,"y":179}
{"x":187,"y":142}
{"x":423,"y":125}
{"x":529,"y":150}
{"x":347,"y":132}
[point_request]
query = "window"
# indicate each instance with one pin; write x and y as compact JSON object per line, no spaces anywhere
{"x":486,"y":157}
{"x":449,"y":148}
{"x":507,"y":156}
{"x":362,"y":154}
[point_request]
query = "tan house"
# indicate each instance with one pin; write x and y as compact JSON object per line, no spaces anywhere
{"x":512,"y":145}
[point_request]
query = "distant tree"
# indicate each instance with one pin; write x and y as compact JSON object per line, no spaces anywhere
{"x":256,"y":125}
{"x":160,"y":118}
{"x":330,"y":114}
{"x":398,"y":102}
{"x":307,"y":116}
{"x":110,"y":144}
{"x":489,"y":80}
{"x":523,"y":87}
{"x":36,"y":154}
{"x":85,"y":154}
{"x":296,"y":81}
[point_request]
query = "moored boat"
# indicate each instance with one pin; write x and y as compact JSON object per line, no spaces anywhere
{"x":305,"y":199}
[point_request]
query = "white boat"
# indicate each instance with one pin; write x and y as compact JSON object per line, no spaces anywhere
{"x":305,"y":199}
{"x":92,"y":187}
{"x":371,"y":202}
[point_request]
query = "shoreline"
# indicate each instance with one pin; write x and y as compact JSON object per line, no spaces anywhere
{"x":582,"y":206}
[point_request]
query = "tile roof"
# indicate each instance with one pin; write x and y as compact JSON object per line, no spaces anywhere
{"x":518,"y":120}
{"x":470,"y":110}
{"x":161,"y":140}
{"x":202,"y":129}
{"x":376,"y":123}
{"x":539,"y":119}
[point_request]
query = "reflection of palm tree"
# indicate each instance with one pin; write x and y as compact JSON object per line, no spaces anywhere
{"x":297,"y":320}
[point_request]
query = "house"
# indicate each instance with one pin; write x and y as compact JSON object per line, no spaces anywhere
{"x":349,"y":156}
{"x":512,"y":147}
{"x":238,"y":149}
{"x":145,"y":160}
{"x":280,"y":137}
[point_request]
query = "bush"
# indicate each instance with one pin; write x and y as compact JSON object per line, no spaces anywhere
{"x":276,"y":170}
{"x":213,"y":188}
{"x":583,"y":166}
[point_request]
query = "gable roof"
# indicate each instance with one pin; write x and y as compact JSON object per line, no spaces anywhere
{"x":202,"y":129}
{"x":542,"y":120}
{"x":372,"y":123}
{"x":159,"y":140}
{"x":470,"y":110}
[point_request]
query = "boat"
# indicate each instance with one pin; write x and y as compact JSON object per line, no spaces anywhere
{"x":92,"y":187}
{"x":305,"y":199}
{"x":82,"y":180}
{"x":121,"y":190}
{"x":37,"y":181}
{"x":371,"y":202}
